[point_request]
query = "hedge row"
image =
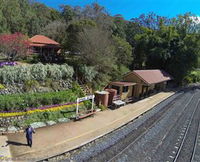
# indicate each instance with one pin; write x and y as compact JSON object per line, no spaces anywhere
{"x":39,"y":72}
{"x":24,"y":101}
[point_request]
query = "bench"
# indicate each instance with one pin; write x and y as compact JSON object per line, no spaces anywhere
{"x":88,"y":113}
{"x":119,"y":103}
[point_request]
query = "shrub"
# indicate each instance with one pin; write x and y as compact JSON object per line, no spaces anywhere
{"x":31,"y":84}
{"x":23,"y":101}
{"x":2,"y":86}
{"x":87,"y":73}
{"x":102,"y":107}
{"x":192,"y":77}
{"x":38,"y":72}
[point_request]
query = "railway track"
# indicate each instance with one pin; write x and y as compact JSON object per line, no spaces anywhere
{"x":117,"y":149}
{"x":196,"y":150}
{"x":184,"y":138}
{"x":128,"y":148}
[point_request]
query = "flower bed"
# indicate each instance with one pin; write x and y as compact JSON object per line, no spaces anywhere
{"x":40,"y":109}
{"x":7,"y":64}
{"x":20,"y":102}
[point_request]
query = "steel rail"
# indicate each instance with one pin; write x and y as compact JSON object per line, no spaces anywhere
{"x":185,"y":134}
{"x":196,"y":142}
{"x":160,"y":118}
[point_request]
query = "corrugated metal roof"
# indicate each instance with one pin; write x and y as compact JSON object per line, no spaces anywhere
{"x":40,"y":39}
{"x":153,"y":76}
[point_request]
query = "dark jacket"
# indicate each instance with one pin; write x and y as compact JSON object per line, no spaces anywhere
{"x":29,"y":132}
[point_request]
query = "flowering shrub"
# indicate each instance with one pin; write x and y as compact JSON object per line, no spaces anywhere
{"x":40,"y":109}
{"x":38,"y":72}
{"x":7,"y":64}
{"x":14,"y":45}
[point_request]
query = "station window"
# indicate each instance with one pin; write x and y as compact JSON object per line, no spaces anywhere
{"x":125,"y":89}
{"x":117,"y":88}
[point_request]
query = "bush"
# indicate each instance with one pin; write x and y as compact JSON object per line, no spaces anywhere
{"x":30,"y":85}
{"x":192,"y":77}
{"x":2,"y":86}
{"x":87,"y":73}
{"x":102,"y":107}
{"x":22,"y":101}
{"x":38,"y":72}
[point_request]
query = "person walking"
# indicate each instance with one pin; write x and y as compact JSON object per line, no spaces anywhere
{"x":29,"y":131}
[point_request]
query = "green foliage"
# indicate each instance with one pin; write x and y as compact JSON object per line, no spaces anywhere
{"x":2,"y":86}
{"x":87,"y":73}
{"x":120,"y":26}
{"x":104,"y":42}
{"x":102,"y":107}
{"x":25,"y":16}
{"x":77,"y":89}
{"x":168,"y":49}
{"x":30,"y":85}
{"x":123,"y":51}
{"x":23,"y":101}
{"x":38,"y":72}
{"x":192,"y":77}
{"x":73,"y":31}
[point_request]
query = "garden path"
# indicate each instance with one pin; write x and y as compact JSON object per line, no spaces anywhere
{"x":56,"y":139}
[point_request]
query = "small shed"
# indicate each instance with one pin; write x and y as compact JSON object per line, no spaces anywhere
{"x":124,"y":89}
{"x":148,"y":81}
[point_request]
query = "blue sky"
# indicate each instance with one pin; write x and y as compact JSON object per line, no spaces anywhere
{"x":133,"y":8}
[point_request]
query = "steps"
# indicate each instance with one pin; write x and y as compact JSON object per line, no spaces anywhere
{"x":86,"y":90}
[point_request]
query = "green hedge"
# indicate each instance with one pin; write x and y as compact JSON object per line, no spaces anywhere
{"x":23,"y":101}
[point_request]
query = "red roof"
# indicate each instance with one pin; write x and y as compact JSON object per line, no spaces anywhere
{"x":37,"y":44}
{"x":40,"y":39}
{"x":153,"y":76}
{"x":123,"y":83}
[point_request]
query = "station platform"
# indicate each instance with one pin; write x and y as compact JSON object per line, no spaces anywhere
{"x":60,"y":138}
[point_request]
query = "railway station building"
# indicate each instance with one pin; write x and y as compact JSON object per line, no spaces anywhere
{"x":141,"y":83}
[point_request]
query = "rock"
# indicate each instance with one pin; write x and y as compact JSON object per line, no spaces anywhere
{"x":38,"y":124}
{"x":63,"y":120}
{"x":2,"y":129}
{"x":12,"y":129}
{"x":51,"y":122}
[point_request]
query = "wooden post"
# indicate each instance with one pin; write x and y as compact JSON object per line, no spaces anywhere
{"x":77,"y":102}
{"x":92,"y":104}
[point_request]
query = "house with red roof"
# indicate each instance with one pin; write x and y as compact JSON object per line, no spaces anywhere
{"x":41,"y":44}
{"x":139,"y":83}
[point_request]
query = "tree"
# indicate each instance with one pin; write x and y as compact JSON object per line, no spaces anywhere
{"x":167,"y":48}
{"x":73,"y":31}
{"x":68,"y":13}
{"x":96,"y":49}
{"x":56,"y":30}
{"x":14,"y":46}
{"x":123,"y":51}
{"x":119,"y":27}
{"x":151,"y":20}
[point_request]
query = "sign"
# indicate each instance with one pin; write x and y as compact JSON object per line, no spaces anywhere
{"x":85,"y":98}
{"x":91,"y":97}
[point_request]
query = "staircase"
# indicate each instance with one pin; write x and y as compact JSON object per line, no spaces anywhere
{"x":86,"y":90}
